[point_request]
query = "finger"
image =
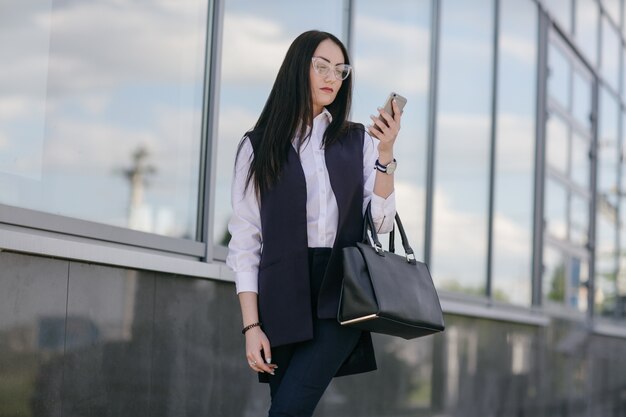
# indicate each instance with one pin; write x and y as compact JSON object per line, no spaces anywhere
{"x":386,"y":115}
{"x":267,"y":353}
{"x":391,"y":123}
{"x":260,"y":363}
{"x":382,"y":126}
{"x":252,"y":363}
{"x":397,"y":113}
{"x":374,"y":132}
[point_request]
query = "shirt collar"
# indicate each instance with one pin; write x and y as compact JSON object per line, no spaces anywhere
{"x":325,"y":113}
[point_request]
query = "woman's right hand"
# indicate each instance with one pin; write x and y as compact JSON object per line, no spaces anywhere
{"x":256,"y":341}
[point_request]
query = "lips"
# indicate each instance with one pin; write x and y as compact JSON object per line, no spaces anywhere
{"x":327,"y":90}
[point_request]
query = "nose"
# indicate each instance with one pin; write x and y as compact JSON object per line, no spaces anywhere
{"x":331,"y":77}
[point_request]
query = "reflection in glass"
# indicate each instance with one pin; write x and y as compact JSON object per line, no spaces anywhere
{"x":579,"y":220}
{"x":580,"y":160}
{"x":561,"y":11}
{"x":402,"y":37}
{"x":606,"y":291}
{"x":620,"y":296}
{"x":462,"y":150}
{"x":255,"y":39}
{"x":577,"y":291}
{"x":612,"y":7}
{"x":555,"y":210}
{"x":581,"y":100}
{"x":557,"y":144}
{"x":587,"y":20}
{"x":554,"y":273}
{"x":564,"y":279}
{"x":611,"y":49}
{"x":558,"y":76}
{"x":103,"y":122}
{"x":608,"y":147}
{"x":607,"y":297}
{"x":513,"y":199}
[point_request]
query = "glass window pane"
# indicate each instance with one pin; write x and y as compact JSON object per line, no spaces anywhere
{"x":620,"y":285}
{"x":587,"y":21}
{"x":559,"y":76}
{"x":255,"y":40}
{"x":611,"y":49}
{"x":608,"y":147}
{"x":577,"y":294}
{"x":612,"y":7}
{"x":463,"y":137}
{"x":579,"y":220}
{"x":102,"y":111}
{"x":563,"y":279}
{"x":402,"y":39}
{"x":606,"y":291}
{"x":580,"y":160}
{"x":555,"y":210}
{"x":557,"y":144}
{"x":581,"y":100}
{"x":624,"y":20}
{"x":561,"y":11}
{"x":554,"y":272}
{"x":513,"y":204}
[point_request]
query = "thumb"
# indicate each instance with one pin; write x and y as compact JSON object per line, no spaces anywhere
{"x":267,"y":352}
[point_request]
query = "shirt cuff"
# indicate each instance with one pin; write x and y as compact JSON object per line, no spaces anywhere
{"x":384,"y":205}
{"x":383,"y":212}
{"x":247,"y":281}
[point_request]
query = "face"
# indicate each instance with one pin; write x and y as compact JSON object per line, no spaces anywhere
{"x":324,"y":88}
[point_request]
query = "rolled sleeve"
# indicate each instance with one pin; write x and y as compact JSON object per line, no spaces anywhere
{"x":247,"y":281}
{"x":244,"y":248}
{"x":383,"y":212}
{"x":383,"y":209}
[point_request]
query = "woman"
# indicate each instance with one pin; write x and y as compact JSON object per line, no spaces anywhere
{"x":302,"y":180}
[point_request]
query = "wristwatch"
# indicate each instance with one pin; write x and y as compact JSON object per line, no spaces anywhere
{"x":387,"y":169}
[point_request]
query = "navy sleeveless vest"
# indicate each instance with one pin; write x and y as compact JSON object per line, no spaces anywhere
{"x":284,"y":290}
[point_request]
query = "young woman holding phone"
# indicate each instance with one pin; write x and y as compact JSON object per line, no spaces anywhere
{"x":303,"y":177}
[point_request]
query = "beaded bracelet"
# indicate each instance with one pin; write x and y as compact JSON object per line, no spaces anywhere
{"x":245,"y":329}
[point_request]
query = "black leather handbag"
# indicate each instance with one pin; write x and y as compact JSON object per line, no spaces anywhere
{"x":383,"y":292}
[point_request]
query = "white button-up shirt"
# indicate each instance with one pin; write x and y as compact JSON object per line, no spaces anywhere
{"x":244,"y":249}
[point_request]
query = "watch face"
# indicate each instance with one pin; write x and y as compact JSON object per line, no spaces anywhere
{"x":391,"y":167}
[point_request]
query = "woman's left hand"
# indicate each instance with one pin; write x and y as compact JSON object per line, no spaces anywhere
{"x":386,"y":133}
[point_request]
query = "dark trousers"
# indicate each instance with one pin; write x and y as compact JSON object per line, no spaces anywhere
{"x":305,"y":369}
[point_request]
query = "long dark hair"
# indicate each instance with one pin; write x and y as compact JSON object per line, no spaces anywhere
{"x":289,"y":111}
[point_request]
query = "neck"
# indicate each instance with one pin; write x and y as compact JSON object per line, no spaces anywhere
{"x":317,"y":110}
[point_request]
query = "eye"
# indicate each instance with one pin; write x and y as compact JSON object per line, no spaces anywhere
{"x":321,"y":67}
{"x":342,"y":72}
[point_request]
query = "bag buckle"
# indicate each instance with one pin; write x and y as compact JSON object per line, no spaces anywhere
{"x":410,"y":258}
{"x":379,"y":249}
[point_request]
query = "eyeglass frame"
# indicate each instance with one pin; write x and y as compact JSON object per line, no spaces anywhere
{"x":330,"y":66}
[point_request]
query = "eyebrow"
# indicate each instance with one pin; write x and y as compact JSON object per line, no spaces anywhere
{"x":328,"y":60}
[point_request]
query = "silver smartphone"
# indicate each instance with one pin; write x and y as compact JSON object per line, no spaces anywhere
{"x":400,"y":100}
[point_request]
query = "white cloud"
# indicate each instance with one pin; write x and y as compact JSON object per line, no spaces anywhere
{"x":4,"y":141}
{"x":393,"y":56}
{"x":99,"y":45}
{"x":460,"y":244}
{"x":516,"y":143}
{"x":519,"y":48}
{"x":462,"y":143}
{"x":16,"y":107}
{"x":252,"y":50}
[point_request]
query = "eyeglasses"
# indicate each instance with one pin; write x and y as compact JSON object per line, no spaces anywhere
{"x":322,"y":67}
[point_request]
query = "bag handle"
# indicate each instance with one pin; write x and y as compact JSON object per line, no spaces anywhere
{"x":368,"y":222}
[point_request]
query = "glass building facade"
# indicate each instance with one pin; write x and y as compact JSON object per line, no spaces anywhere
{"x":119,"y":122}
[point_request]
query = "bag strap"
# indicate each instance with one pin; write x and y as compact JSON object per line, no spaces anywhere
{"x":368,"y":222}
